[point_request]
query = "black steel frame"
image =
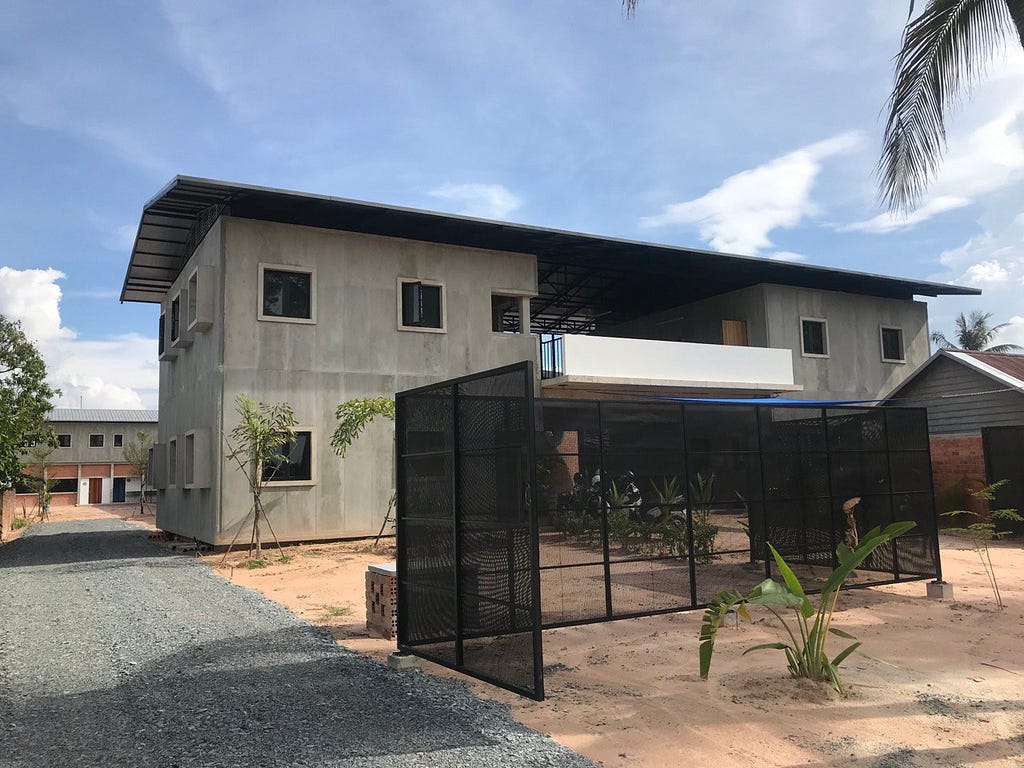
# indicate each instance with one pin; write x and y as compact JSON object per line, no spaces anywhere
{"x":402,"y":519}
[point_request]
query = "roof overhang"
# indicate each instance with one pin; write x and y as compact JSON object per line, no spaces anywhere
{"x":575,"y":269}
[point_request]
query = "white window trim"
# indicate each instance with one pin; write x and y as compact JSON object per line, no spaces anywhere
{"x":113,"y":440}
{"x":444,"y":305}
{"x":828,"y":342}
{"x":172,"y":450}
{"x":881,"y":344}
{"x":524,"y":310}
{"x":311,"y":320}
{"x":312,"y":464}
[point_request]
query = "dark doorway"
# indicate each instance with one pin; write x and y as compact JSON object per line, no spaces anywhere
{"x":119,"y":487}
{"x":95,"y":490}
{"x":1004,"y":460}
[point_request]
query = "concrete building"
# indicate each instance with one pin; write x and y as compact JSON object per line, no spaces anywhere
{"x":315,"y":300}
{"x":88,"y":463}
{"x":975,"y":404}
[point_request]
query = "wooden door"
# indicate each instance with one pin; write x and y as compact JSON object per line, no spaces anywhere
{"x":734,"y":333}
{"x":95,"y":490}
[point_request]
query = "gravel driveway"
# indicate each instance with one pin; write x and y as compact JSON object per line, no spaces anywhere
{"x":115,"y":653}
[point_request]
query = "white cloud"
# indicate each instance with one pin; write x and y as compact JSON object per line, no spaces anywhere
{"x":486,"y":201}
{"x":115,"y":372}
{"x":986,"y":272}
{"x":785,"y":256}
{"x":889,"y":221}
{"x":742,"y":211}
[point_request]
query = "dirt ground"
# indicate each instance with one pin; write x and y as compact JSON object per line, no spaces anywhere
{"x":947,"y":688}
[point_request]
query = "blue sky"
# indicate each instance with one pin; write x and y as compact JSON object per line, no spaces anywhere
{"x":746,"y":127}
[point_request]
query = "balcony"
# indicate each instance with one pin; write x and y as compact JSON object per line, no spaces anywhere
{"x":606,"y":364}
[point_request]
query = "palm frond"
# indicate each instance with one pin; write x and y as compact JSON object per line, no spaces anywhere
{"x":1017,"y":14}
{"x":944,"y":50}
{"x":1002,"y":349}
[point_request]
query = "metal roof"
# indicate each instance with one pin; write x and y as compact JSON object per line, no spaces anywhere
{"x":578,"y":274}
{"x":1004,"y":369}
{"x":103,"y":414}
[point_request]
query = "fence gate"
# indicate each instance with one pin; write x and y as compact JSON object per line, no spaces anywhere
{"x":468,"y":579}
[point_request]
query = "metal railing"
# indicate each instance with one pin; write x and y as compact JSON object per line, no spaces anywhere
{"x":552,"y":356}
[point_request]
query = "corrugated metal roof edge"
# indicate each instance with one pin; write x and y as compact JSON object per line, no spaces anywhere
{"x":130,"y":416}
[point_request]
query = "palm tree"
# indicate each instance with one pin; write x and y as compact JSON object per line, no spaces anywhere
{"x":944,"y":50}
{"x":974,"y":334}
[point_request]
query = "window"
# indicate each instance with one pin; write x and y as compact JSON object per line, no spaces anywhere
{"x":190,"y":459}
{"x":506,"y":313}
{"x":63,"y":441}
{"x":287,"y":294}
{"x":95,"y":441}
{"x":118,"y":441}
{"x":160,"y":336}
{"x":65,"y":485}
{"x":814,"y":337}
{"x":193,"y":297}
{"x":421,"y":305}
{"x":172,"y":462}
{"x":892,"y":345}
{"x":176,"y":318}
{"x":298,"y":466}
{"x":24,"y":485}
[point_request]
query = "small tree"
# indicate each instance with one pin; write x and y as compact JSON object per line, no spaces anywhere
{"x":39,"y":480}
{"x":136,"y":453}
{"x":25,"y":401}
{"x":980,"y":533}
{"x":353,"y":416}
{"x":255,"y":445}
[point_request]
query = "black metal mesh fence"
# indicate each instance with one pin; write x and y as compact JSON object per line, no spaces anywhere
{"x":467,"y":567}
{"x":659,"y":506}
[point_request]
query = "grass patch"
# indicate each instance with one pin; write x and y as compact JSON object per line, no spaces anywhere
{"x":252,"y":564}
{"x":335,"y":611}
{"x":284,"y":559}
{"x":20,"y":522}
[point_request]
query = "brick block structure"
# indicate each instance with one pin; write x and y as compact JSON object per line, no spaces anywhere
{"x":382,"y":601}
{"x":958,"y":460}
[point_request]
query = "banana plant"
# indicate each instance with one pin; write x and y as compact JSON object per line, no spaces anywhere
{"x":805,"y":647}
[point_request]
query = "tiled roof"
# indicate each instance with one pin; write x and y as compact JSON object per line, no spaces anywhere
{"x":104,"y":414}
{"x":1008,"y":369}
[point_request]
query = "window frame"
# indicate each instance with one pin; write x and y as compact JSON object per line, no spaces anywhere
{"x":175,"y":318}
{"x":444,"y":305}
{"x":68,"y":436}
{"x":118,"y":440}
{"x":102,"y":438}
{"x":312,"y":464}
{"x":825,"y":338}
{"x":903,"y":344}
{"x":296,"y":268}
{"x":172,"y":462}
{"x":523,"y":299}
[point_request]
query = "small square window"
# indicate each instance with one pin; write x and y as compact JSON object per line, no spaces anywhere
{"x":63,"y":441}
{"x":286,"y":294}
{"x":422,"y":305}
{"x":892,"y":345}
{"x":118,"y":441}
{"x":298,"y":466}
{"x":95,"y":441}
{"x":506,"y":314}
{"x":814,"y":337}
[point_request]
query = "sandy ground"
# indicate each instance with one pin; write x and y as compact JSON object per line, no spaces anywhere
{"x":950,"y":691}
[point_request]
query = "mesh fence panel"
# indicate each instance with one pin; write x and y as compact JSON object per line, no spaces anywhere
{"x":466,"y":531}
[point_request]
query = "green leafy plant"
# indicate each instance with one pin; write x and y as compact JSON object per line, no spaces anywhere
{"x":806,"y":647}
{"x":20,"y":522}
{"x":620,"y":525}
{"x":979,"y":534}
{"x":702,"y":495}
{"x":39,"y":479}
{"x":136,"y":453}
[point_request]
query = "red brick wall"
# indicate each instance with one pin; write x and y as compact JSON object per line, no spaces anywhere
{"x":958,"y":460}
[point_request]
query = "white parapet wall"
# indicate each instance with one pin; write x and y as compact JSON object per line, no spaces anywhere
{"x":674,"y":363}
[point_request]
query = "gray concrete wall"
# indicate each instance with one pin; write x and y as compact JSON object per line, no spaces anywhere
{"x":854,"y":368}
{"x":354,"y":349}
{"x":190,"y":398}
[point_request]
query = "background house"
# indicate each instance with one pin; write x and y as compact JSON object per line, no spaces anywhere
{"x":314,"y":300}
{"x":88,"y":463}
{"x":975,"y":404}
